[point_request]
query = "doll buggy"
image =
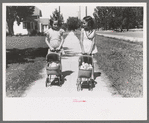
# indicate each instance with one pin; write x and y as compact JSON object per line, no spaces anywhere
{"x":85,"y":72}
{"x":54,"y":67}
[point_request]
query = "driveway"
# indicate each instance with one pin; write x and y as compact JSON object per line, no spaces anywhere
{"x":135,"y":36}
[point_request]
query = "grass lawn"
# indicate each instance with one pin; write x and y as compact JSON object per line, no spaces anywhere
{"x":20,"y":75}
{"x":25,"y":59}
{"x":122,"y":62}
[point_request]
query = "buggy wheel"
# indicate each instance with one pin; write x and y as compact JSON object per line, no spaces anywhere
{"x":61,"y":78}
{"x":90,"y":89}
{"x":59,"y":81}
{"x":78,"y":87}
{"x":47,"y":81}
{"x":60,"y":84}
{"x":90,"y":85}
{"x":78,"y":81}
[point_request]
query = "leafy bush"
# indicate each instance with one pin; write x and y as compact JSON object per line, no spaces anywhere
{"x":73,"y":23}
{"x":33,"y":33}
{"x":41,"y":34}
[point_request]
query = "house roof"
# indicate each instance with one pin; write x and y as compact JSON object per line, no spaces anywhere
{"x":37,"y":12}
{"x":43,"y":21}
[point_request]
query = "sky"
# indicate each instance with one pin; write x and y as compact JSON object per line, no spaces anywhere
{"x":71,"y":9}
{"x":67,"y":10}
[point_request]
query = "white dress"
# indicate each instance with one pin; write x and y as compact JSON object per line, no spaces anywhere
{"x":87,"y":42}
{"x":54,"y":38}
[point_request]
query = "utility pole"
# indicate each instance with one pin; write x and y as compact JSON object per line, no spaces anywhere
{"x":59,"y":10}
{"x":80,"y":12}
{"x":86,"y":10}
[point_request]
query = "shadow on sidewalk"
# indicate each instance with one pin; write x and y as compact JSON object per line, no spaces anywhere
{"x":55,"y":82}
{"x":69,"y":53}
{"x":67,"y":73}
{"x":96,"y":74}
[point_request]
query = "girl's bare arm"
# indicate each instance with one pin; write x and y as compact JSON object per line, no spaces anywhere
{"x":93,"y":43}
{"x":46,"y":40}
{"x":61,"y":44}
{"x":81,"y":42}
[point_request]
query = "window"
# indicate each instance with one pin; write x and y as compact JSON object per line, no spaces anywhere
{"x":26,"y":25}
{"x":31,"y":25}
{"x":36,"y":25}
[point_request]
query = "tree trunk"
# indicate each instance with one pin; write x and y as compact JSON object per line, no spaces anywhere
{"x":121,"y":28}
{"x":128,"y":27}
{"x":128,"y":22}
{"x":10,"y":27}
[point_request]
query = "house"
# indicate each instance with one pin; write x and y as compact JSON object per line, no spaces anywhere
{"x":30,"y":24}
{"x":44,"y":24}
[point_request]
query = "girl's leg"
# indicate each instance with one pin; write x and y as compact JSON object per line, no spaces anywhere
{"x":60,"y":54}
{"x":93,"y":73}
{"x":93,"y":68}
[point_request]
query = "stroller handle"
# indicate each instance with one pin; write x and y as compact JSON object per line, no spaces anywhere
{"x":55,"y":50}
{"x":86,"y":54}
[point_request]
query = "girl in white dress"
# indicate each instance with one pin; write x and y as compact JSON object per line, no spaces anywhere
{"x":88,"y":32}
{"x":87,"y":38}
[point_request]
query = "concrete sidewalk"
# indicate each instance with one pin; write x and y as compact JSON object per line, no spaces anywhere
{"x":134,"y":36}
{"x":70,"y":72}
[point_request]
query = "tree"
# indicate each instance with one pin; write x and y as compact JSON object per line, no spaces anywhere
{"x":119,"y":20}
{"x":97,"y":19}
{"x":103,"y":16}
{"x":129,"y":17}
{"x":139,"y":16}
{"x":118,"y":17}
{"x":64,"y":26}
{"x":56,"y":15}
{"x":18,"y":13}
{"x":73,"y":23}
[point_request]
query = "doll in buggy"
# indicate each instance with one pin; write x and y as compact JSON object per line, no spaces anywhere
{"x":85,"y":72}
{"x":54,"y":67}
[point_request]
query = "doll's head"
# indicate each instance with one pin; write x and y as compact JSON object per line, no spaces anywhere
{"x":88,"y":23}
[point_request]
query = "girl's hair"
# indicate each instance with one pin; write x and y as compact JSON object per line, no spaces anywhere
{"x":55,"y":19}
{"x":89,"y":21}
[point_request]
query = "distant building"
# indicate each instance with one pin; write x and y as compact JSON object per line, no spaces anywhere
{"x":30,"y":24}
{"x":43,"y":23}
